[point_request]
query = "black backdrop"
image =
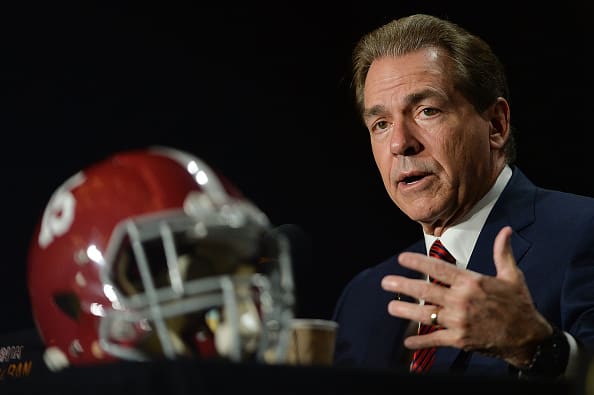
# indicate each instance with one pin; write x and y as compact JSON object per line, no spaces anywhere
{"x":261,"y":92}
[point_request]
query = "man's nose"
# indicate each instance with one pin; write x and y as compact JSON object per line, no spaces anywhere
{"x":403,"y":140}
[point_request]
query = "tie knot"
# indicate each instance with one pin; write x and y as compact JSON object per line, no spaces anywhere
{"x":439,"y":251}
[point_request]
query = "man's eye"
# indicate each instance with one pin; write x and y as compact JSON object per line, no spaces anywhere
{"x":429,"y":111}
{"x":380,"y":126}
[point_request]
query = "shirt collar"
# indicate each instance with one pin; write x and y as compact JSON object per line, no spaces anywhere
{"x":461,"y":238}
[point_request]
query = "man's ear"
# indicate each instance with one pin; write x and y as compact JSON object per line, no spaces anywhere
{"x":500,"y":126}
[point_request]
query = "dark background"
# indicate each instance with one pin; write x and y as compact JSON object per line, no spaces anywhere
{"x":262,"y":93}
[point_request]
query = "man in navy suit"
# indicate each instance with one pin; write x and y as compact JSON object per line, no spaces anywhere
{"x":520,"y":298}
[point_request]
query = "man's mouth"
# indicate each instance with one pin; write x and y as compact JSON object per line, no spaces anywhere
{"x":411,"y":178}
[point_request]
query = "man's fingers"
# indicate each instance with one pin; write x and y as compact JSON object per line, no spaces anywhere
{"x":416,"y":312}
{"x":418,"y":288}
{"x":435,"y":268}
{"x":433,"y":339}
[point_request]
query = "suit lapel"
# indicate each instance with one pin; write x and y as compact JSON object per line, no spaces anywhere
{"x":515,"y":207}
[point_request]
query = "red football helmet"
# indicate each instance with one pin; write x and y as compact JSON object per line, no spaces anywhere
{"x":151,"y":253}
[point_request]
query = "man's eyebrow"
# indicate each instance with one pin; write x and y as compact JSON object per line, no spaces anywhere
{"x":416,"y":97}
{"x":374,"y":111}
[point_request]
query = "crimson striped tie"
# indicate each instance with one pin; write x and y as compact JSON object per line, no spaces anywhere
{"x":423,"y":358}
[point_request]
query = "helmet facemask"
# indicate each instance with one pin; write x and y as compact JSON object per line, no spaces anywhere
{"x":183,"y":285}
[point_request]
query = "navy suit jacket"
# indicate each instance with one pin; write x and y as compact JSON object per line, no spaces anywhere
{"x":553,"y":243}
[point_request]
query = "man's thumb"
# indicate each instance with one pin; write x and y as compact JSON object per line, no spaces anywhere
{"x":503,"y":255}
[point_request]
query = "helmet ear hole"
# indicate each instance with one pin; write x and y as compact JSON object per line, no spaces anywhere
{"x":69,"y":303}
